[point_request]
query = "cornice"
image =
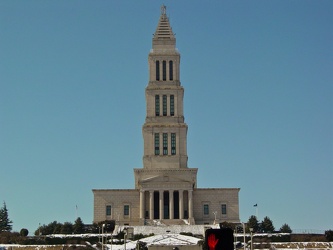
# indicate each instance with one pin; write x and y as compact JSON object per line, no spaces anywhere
{"x":151,"y":171}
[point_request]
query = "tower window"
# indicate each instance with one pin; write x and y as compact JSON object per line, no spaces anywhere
{"x":108,"y":210}
{"x":157,"y":105}
{"x":173,"y":143}
{"x":171,"y":70}
{"x":206,"y":209}
{"x":157,"y":143}
{"x":164,"y":105}
{"x":165,"y":144}
{"x":157,"y":70}
{"x":126,"y":210}
{"x":224,"y":209}
{"x":172,"y":105}
{"x":164,"y":70}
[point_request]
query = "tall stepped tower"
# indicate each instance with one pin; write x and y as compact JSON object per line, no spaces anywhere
{"x":165,"y":187}
{"x":165,"y":176}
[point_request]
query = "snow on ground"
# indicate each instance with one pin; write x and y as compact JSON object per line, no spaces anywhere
{"x":166,"y":239}
{"x":173,"y":229}
{"x":170,"y":235}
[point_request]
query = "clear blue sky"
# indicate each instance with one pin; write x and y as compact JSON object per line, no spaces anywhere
{"x":258,"y":102}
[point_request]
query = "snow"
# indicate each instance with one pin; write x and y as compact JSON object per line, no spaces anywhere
{"x":170,"y":235}
{"x":161,"y":229}
{"x":166,"y":239}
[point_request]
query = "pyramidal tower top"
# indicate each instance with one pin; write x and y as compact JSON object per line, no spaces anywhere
{"x":164,"y":38}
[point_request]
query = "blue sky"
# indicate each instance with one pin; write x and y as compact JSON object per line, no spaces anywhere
{"x":258,"y":102}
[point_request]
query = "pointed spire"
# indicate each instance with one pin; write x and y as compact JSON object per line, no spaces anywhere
{"x":163,"y":30}
{"x":164,"y":39}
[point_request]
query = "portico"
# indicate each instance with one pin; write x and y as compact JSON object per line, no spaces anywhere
{"x":166,"y":204}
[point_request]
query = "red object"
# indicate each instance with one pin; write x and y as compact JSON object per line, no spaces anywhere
{"x":219,"y":239}
{"x":212,"y":241}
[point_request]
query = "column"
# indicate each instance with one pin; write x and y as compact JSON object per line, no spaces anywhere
{"x":171,"y":210}
{"x":161,"y":205}
{"x":161,"y":70}
{"x":151,"y":205}
{"x":181,"y":205}
{"x":167,"y":70}
{"x":176,"y":76}
{"x":190,"y":204}
{"x":142,"y":204}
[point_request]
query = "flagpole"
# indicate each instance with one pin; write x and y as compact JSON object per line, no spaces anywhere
{"x":257,"y":213}
{"x":256,"y":206}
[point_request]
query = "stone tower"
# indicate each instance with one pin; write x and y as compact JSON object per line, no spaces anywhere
{"x":165,"y":175}
{"x":165,"y":188}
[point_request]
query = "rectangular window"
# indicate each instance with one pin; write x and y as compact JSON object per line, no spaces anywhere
{"x":171,"y":70}
{"x":206,"y":209}
{"x":224,"y":209}
{"x":157,"y":143}
{"x":165,"y":107}
{"x":173,"y":143}
{"x":157,"y":105}
{"x":172,"y":105}
{"x":165,"y":143}
{"x":164,"y":70}
{"x":157,"y":70}
{"x":108,"y":210}
{"x":126,"y":210}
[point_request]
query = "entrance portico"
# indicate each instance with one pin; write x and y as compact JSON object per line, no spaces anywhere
{"x":166,"y":204}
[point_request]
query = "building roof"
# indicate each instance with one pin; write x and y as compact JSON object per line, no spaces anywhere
{"x":163,"y":30}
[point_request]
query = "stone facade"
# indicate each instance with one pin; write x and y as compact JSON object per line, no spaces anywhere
{"x":165,"y":188}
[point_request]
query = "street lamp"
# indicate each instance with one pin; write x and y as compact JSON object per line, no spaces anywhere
{"x":214,"y":216}
{"x":103,"y":236}
{"x":251,"y":231}
{"x":243,"y":234}
{"x":125,"y":234}
{"x":111,"y":239}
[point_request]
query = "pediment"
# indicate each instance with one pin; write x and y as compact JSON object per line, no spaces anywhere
{"x":158,"y":179}
{"x":148,"y":179}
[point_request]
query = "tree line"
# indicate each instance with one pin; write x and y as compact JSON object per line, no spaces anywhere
{"x":78,"y":227}
{"x":265,"y":226}
{"x":62,"y":228}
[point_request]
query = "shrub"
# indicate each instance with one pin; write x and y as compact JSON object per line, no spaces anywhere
{"x":24,"y":232}
{"x":329,"y":235}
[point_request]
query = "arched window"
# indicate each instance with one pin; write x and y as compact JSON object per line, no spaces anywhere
{"x":171,"y":70}
{"x":157,"y":70}
{"x":164,"y":70}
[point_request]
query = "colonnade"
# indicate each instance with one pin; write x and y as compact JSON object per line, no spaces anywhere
{"x":170,"y":204}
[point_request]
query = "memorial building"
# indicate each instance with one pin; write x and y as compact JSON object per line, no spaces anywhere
{"x":166,"y":188}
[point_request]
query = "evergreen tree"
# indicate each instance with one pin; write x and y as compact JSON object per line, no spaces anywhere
{"x":252,"y":223}
{"x":52,"y":228}
{"x":78,"y":226}
{"x":267,"y":225}
{"x":67,"y":228}
{"x":5,"y":222}
{"x":285,"y":228}
{"x":329,"y":235}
